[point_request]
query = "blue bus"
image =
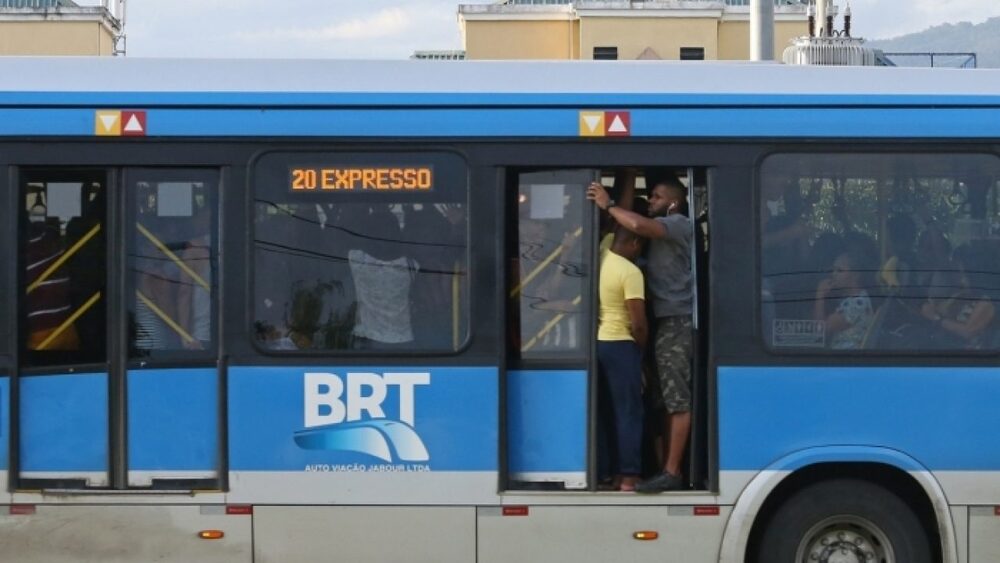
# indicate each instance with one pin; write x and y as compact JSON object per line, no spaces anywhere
{"x":294,"y":310}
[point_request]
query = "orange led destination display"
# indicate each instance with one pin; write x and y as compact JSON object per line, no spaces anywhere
{"x":361,"y":179}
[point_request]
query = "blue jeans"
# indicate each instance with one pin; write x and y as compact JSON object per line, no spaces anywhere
{"x":619,"y":381}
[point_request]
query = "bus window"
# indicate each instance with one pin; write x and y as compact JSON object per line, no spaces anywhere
{"x":61,"y":230}
{"x":360,"y":256}
{"x":173,"y":264}
{"x":880,"y":252}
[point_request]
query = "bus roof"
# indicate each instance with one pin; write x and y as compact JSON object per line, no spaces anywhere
{"x":74,"y":81}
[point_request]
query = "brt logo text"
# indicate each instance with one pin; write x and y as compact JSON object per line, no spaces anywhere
{"x":348,"y":414}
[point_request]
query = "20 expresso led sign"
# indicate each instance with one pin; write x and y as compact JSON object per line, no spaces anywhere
{"x":361,"y":179}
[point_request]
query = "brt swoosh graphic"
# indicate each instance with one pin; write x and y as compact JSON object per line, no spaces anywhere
{"x":378,"y":438}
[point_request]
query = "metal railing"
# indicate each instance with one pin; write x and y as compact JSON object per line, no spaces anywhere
{"x":947,"y":60}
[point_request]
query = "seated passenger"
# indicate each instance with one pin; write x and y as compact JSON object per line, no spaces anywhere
{"x":961,"y":314}
{"x":847,"y":326}
{"x":896,"y":271}
{"x":825,"y":249}
{"x":933,"y":254}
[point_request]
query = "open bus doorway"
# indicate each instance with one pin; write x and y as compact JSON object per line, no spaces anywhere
{"x":553,"y":248}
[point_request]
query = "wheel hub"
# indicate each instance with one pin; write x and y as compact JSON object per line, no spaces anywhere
{"x":846,"y":539}
{"x":843,"y":547}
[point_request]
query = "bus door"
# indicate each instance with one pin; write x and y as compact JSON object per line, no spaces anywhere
{"x":550,"y":323}
{"x":117,"y":383}
{"x":170,"y":301}
{"x":61,"y":413}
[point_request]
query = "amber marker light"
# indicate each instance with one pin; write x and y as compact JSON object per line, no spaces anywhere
{"x":646,"y":535}
{"x":211,"y":534}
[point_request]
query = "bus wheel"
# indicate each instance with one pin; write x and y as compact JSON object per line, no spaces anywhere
{"x":844,"y":521}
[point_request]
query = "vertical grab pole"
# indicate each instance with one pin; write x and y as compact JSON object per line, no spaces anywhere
{"x":118,"y":210}
{"x":693,"y":204}
{"x":697,"y":365}
{"x":591,"y":249}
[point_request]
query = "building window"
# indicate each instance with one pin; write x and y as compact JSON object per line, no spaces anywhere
{"x":692,"y":53}
{"x":605,"y":53}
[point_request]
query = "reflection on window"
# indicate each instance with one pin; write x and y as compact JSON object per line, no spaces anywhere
{"x":880,"y":252}
{"x":550,"y":288}
{"x":343,"y":276}
{"x":173,"y":265}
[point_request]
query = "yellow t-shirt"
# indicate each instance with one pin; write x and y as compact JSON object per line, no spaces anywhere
{"x":620,"y":281}
{"x":605,"y":246}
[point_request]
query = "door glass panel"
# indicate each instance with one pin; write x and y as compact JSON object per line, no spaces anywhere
{"x":63,"y":250}
{"x":172,"y":268}
{"x":552,"y":268}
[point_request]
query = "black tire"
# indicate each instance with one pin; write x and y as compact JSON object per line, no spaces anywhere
{"x":854,"y":517}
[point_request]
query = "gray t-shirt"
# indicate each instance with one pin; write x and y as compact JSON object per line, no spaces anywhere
{"x":669,"y":269}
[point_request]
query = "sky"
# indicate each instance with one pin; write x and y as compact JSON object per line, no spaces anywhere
{"x":392,"y":29}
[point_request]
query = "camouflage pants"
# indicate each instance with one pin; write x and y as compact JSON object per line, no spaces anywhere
{"x":673,"y":362}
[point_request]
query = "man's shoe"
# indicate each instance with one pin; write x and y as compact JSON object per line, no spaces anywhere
{"x":662,"y":482}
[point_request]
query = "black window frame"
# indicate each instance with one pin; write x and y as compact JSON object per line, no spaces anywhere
{"x":588,"y":307}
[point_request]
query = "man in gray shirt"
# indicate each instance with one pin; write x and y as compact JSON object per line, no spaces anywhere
{"x":669,"y":232}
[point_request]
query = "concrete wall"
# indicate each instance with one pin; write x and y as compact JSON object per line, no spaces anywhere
{"x":734,"y":38}
{"x":55,"y":38}
{"x":541,"y":39}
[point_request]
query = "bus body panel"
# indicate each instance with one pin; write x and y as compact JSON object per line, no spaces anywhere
{"x":961,"y":519}
{"x":984,"y":534}
{"x":547,"y":426}
{"x":686,"y":123}
{"x":595,"y":534}
{"x":312,"y":83}
{"x":357,"y":533}
{"x":54,"y":533}
{"x":362,"y":434}
{"x":767,"y":413}
{"x":64,"y":426}
{"x":173,"y":424}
